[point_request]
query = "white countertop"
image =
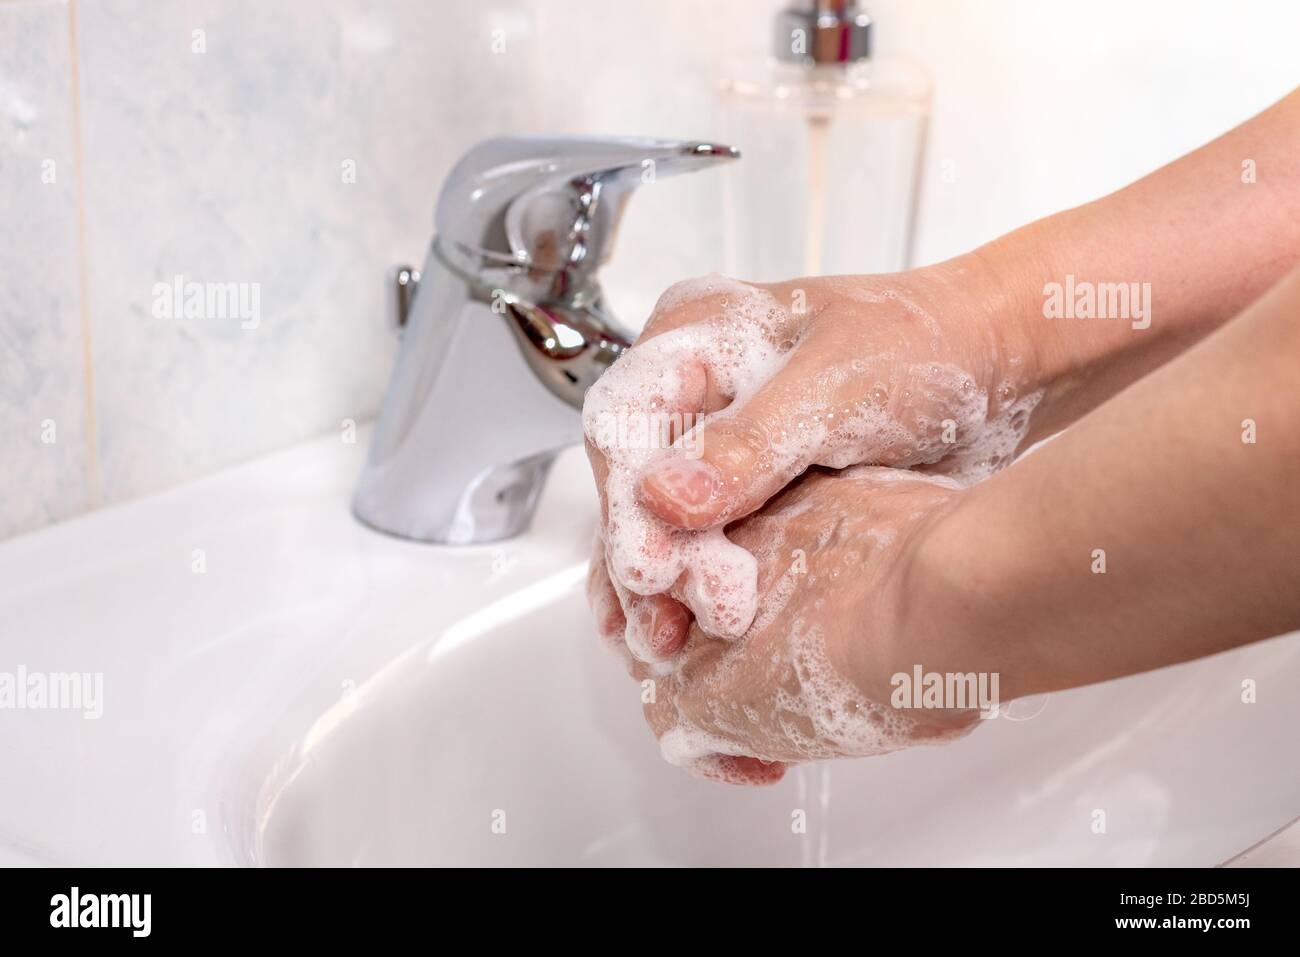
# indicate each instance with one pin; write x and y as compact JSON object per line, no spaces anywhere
{"x":298,"y":604}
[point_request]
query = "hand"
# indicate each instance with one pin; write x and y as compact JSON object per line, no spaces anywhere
{"x":812,"y":677}
{"x":920,"y":369}
{"x":980,"y":320}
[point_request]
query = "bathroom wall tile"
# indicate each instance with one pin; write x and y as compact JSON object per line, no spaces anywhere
{"x":224,"y":161}
{"x":42,"y":385}
{"x":220,"y":142}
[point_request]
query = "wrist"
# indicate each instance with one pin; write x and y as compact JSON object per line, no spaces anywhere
{"x":995,"y":294}
{"x":961,"y":602}
{"x":1077,"y":306}
{"x":1009,"y":275}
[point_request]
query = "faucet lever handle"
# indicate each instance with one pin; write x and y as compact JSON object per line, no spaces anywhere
{"x":529,"y":205}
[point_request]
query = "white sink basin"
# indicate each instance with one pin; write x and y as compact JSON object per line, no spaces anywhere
{"x":517,"y":711}
{"x":323,"y":694}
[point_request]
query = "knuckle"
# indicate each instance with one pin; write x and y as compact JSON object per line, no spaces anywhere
{"x":740,"y":443}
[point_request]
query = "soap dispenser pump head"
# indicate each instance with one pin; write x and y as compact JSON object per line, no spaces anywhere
{"x":822,"y":31}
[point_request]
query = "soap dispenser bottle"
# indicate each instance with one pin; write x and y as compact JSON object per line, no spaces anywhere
{"x":833,"y":139}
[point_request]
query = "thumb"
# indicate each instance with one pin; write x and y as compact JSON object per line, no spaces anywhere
{"x":728,"y":467}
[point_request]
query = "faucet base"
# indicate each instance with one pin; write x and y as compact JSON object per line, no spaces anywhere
{"x":497,"y":504}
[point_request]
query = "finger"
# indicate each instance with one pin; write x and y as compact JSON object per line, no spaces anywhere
{"x":656,"y":626}
{"x":628,"y":407}
{"x":676,"y":401}
{"x":673,"y":311}
{"x":702,"y":300}
{"x":721,"y":588}
{"x":684,"y":743}
{"x":603,"y":599}
{"x":599,"y":472}
{"x":625,"y":426}
{"x":737,"y":769}
{"x":656,"y":701}
{"x":664,"y":719}
{"x":740,"y":458}
{"x":657,"y":623}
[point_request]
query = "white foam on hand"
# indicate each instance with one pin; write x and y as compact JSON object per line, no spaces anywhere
{"x":741,"y":345}
{"x":649,"y":383}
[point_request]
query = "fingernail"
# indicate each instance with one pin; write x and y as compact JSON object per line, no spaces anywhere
{"x":668,"y":629}
{"x":656,"y":627}
{"x":685,"y":486}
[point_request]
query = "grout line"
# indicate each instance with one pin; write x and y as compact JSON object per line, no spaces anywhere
{"x":83,"y":280}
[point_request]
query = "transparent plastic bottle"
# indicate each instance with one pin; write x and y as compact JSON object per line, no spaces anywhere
{"x":832,"y":141}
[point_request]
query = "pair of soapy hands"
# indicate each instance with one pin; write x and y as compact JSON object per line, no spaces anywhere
{"x":903,"y":372}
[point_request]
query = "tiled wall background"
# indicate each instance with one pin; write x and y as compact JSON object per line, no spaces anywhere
{"x":126,"y":158}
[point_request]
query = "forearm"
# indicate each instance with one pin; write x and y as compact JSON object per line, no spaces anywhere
{"x":1198,"y":530}
{"x":1206,"y":235}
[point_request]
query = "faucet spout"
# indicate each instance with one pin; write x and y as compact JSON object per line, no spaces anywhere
{"x":505,"y":333}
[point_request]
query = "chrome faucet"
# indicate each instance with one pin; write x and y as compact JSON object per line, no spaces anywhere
{"x":504,"y":332}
